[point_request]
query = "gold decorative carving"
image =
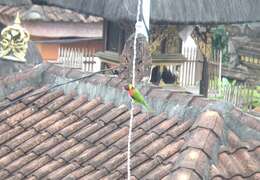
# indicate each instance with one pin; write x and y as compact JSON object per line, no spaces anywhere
{"x":14,"y":41}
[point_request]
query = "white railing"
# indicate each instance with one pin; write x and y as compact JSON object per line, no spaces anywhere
{"x":188,"y":69}
{"x":80,"y":58}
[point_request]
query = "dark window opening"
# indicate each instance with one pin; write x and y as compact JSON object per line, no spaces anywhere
{"x":113,"y":36}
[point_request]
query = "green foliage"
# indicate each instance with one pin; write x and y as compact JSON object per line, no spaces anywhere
{"x":248,"y":94}
{"x":220,"y":42}
{"x":256,"y":97}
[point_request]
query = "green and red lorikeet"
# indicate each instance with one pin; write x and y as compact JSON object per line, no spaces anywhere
{"x":137,"y":96}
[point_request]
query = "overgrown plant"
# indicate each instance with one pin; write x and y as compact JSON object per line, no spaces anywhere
{"x":250,"y":95}
{"x":220,"y":42}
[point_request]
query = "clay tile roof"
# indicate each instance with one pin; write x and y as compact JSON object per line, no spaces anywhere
{"x":72,"y":133}
{"x":45,"y":13}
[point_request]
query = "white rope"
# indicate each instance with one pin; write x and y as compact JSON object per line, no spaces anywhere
{"x":132,"y":103}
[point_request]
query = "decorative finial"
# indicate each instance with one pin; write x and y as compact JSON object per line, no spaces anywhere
{"x":17,"y":18}
{"x":14,"y":41}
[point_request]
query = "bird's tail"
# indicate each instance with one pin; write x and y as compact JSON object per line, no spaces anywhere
{"x":147,"y":107}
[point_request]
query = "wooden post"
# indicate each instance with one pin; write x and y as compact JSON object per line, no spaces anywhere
{"x":220,"y":72}
{"x":204,"y":83}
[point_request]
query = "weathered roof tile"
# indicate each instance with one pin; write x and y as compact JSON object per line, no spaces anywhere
{"x":19,"y":93}
{"x":48,"y":144}
{"x":73,"y":105}
{"x":61,"y":147}
{"x":48,"y":168}
{"x":87,"y":107}
{"x":15,"y":165}
{"x":7,"y":159}
{"x":59,"y":102}
{"x":80,"y":172}
{"x":34,"y":165}
{"x":99,"y":111}
{"x":56,"y":135}
{"x":48,"y":98}
{"x":89,"y":153}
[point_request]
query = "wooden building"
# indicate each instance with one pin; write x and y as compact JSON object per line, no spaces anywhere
{"x":52,"y":28}
{"x":167,"y":51}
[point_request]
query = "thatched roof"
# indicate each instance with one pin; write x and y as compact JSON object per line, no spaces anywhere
{"x":166,"y":11}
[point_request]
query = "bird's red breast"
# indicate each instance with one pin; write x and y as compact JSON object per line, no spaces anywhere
{"x":131,"y":92}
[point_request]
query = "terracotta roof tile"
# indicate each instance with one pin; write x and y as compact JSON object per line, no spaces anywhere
{"x":164,"y":126}
{"x":210,"y":120}
{"x":145,"y":168}
{"x":115,"y":175}
{"x":61,"y":123}
{"x":34,"y":141}
{"x":57,"y":135}
{"x":13,"y":120}
{"x":62,"y":171}
{"x":73,"y":152}
{"x":61,"y":148}
{"x":96,"y":175}
{"x":68,"y":108}
{"x":176,"y":131}
{"x":74,"y":127}
{"x":59,"y":102}
{"x":89,"y":153}
{"x":114,"y":113}
{"x":19,"y":93}
{"x":114,"y":136}
{"x":101,"y":133}
{"x":4,"y":161}
{"x":4,"y":127}
{"x":159,"y":172}
{"x":141,"y":121}
{"x":143,"y":141}
{"x":15,"y":165}
{"x":16,"y":176}
{"x":48,"y":144}
{"x":34,"y":165}
{"x":122,"y":143}
{"x":10,"y":134}
{"x":122,"y":119}
{"x":115,"y":162}
{"x":48,"y":121}
{"x":80,"y":172}
{"x":99,"y":111}
{"x":204,"y":140}
{"x":48,"y":168}
{"x":147,"y":125}
{"x":156,"y":146}
{"x":135,"y":162}
{"x":87,"y":131}
{"x":4,"y":150}
{"x":21,"y":138}
{"x":34,"y":118}
{"x":31,"y":97}
{"x":87,"y":107}
{"x":102,"y":157}
{"x":48,"y":98}
{"x":196,"y":160}
{"x":11,"y":111}
{"x":4,"y":174}
{"x":182,"y":174}
{"x":169,"y":150}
